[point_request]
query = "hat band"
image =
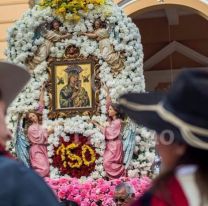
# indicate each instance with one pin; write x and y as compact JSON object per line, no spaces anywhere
{"x":187,"y":130}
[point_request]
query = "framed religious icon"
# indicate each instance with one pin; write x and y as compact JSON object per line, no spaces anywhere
{"x":74,"y":88}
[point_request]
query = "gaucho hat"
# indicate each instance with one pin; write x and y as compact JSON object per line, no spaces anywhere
{"x":183,"y":110}
{"x":12,"y":79}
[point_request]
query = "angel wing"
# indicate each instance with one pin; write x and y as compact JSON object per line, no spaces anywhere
{"x":40,"y":31}
{"x":128,"y":136}
{"x":111,"y":29}
{"x":22,"y":144}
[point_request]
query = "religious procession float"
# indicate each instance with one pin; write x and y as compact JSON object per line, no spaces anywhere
{"x":82,"y":54}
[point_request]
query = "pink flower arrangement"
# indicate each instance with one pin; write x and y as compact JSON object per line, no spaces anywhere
{"x":94,"y":192}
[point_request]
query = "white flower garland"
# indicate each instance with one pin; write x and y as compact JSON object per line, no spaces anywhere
{"x":124,"y":36}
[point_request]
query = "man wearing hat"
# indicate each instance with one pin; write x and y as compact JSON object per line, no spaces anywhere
{"x":20,"y":186}
{"x":180,"y":119}
{"x":73,"y":95}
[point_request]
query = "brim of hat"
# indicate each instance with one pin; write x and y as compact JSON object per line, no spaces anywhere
{"x":142,"y":115}
{"x":13,"y":79}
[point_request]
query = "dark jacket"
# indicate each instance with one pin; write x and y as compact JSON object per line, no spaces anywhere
{"x":20,"y":186}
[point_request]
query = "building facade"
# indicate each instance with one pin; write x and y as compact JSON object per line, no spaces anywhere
{"x":10,"y":11}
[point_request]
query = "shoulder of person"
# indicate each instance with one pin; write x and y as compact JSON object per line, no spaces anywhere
{"x":7,"y":164}
{"x":15,"y":170}
{"x":24,"y":185}
{"x":172,"y":189}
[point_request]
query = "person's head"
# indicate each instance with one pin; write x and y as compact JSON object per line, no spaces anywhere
{"x":12,"y":80}
{"x":170,"y":150}
{"x":124,"y":194}
{"x":55,"y":24}
{"x":99,"y":24}
{"x":115,"y":112}
{"x":180,"y":119}
{"x":5,"y":133}
{"x":178,"y":152}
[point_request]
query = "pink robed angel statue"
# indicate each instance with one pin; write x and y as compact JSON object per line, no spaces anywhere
{"x":38,"y":136}
{"x":114,"y":154}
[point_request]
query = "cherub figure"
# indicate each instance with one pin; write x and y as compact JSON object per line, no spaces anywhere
{"x":72,"y":52}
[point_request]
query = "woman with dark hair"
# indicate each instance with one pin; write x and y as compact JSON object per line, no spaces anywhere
{"x":180,"y":120}
{"x":113,"y":155}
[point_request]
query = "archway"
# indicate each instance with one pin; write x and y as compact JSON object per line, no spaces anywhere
{"x":142,"y":6}
{"x":171,"y":37}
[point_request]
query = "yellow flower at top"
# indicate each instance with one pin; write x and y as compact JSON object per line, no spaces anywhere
{"x":61,"y":10}
{"x":65,"y":7}
{"x":42,"y":2}
{"x":97,"y":1}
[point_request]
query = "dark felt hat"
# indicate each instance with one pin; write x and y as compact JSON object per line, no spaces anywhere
{"x":12,"y":79}
{"x":183,"y":110}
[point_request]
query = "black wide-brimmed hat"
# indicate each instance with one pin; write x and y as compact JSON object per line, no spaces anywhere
{"x":183,"y":110}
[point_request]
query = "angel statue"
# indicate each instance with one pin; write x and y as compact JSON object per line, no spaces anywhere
{"x":114,"y":59}
{"x":22,"y":143}
{"x":37,"y":136}
{"x":117,"y":153}
{"x":50,"y":35}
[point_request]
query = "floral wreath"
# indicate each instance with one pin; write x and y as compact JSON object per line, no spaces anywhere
{"x":96,"y":146}
{"x":75,"y":159}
